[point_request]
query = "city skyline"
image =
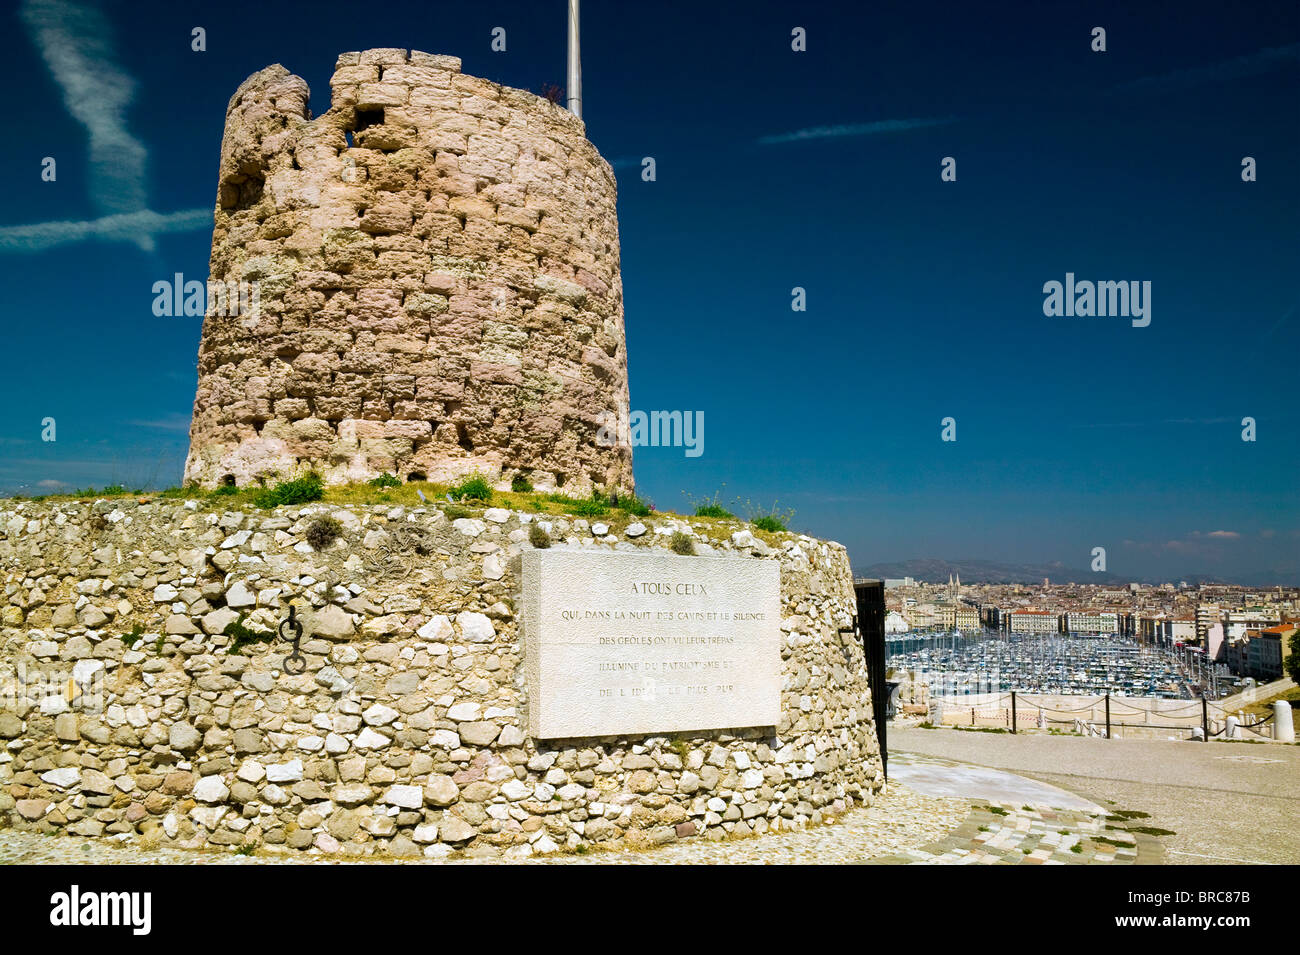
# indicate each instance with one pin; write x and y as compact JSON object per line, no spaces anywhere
{"x":775,"y":170}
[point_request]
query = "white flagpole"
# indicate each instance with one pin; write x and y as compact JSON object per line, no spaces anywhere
{"x":574,"y":92}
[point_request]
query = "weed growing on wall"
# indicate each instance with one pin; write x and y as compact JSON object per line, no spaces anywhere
{"x":303,"y":490}
{"x":473,"y":488}
{"x":322,"y":532}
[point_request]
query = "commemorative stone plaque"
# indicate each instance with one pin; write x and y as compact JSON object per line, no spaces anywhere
{"x":618,"y":643}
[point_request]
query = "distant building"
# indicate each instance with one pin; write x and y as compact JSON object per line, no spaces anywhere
{"x":1258,"y":654}
{"x":895,"y":622}
{"x":959,"y":617}
{"x":1264,"y":656}
{"x":922,"y":616}
{"x":1237,"y":622}
{"x":994,"y":618}
{"x":1150,"y":629}
{"x":1277,"y":656}
{"x":1091,"y":621}
{"x":1207,"y":615}
{"x":1033,"y":621}
{"x":1214,"y":643}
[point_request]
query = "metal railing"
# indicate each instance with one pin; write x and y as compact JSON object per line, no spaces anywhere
{"x":1098,"y":716}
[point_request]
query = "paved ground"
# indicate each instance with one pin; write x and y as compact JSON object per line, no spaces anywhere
{"x":1224,"y":802}
{"x":1016,"y":821}
{"x":998,"y":834}
{"x":941,"y":777}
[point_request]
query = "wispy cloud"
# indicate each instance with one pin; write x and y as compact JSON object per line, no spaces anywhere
{"x":1251,"y":64}
{"x":844,"y":130}
{"x":1200,"y":543}
{"x":73,"y":40}
{"x":74,"y":43}
{"x":172,"y":422}
{"x":1278,"y":324}
{"x":1155,"y":424}
{"x":126,"y":227}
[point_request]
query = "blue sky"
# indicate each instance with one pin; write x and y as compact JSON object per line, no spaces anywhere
{"x":776,"y":169}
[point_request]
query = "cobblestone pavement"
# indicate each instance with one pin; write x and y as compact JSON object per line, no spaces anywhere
{"x":943,"y":777}
{"x":903,"y":827}
{"x":1228,"y":803}
{"x":1016,"y":821}
{"x":1002,"y":834}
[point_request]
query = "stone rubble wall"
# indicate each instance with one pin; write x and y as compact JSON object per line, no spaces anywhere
{"x":124,"y":713}
{"x":436,"y":261}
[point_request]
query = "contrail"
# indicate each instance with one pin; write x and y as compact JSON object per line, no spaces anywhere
{"x":1251,"y":64}
{"x":853,"y":129}
{"x":73,"y":41}
{"x":138,"y":227}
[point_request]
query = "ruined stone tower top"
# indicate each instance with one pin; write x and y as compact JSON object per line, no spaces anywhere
{"x":436,"y":267}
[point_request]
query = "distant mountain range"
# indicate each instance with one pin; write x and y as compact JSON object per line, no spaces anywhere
{"x":934,"y":570}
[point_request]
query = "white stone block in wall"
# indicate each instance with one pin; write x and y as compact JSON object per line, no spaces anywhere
{"x":290,"y":772}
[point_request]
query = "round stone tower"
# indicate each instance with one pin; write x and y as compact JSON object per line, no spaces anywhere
{"x":423,"y":281}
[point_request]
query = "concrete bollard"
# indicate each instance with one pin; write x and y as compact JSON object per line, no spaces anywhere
{"x":1283,"y":723}
{"x":936,"y":713}
{"x":1232,"y":731}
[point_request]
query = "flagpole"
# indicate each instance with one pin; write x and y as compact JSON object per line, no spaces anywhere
{"x":575,"y":63}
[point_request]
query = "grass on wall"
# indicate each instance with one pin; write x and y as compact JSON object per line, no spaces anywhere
{"x":597,"y":507}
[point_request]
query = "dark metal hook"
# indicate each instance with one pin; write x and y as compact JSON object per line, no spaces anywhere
{"x":294,"y":663}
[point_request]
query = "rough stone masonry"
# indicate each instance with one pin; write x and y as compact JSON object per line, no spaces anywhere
{"x":437,"y":265}
{"x":127,"y":712}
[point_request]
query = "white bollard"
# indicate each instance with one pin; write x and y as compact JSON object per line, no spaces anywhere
{"x":1231,"y":730}
{"x":1283,"y":724}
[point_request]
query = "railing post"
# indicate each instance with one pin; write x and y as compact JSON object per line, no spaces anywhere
{"x":1108,"y":714}
{"x":1283,"y":723}
{"x":1205,"y":719}
{"x":1013,"y":711}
